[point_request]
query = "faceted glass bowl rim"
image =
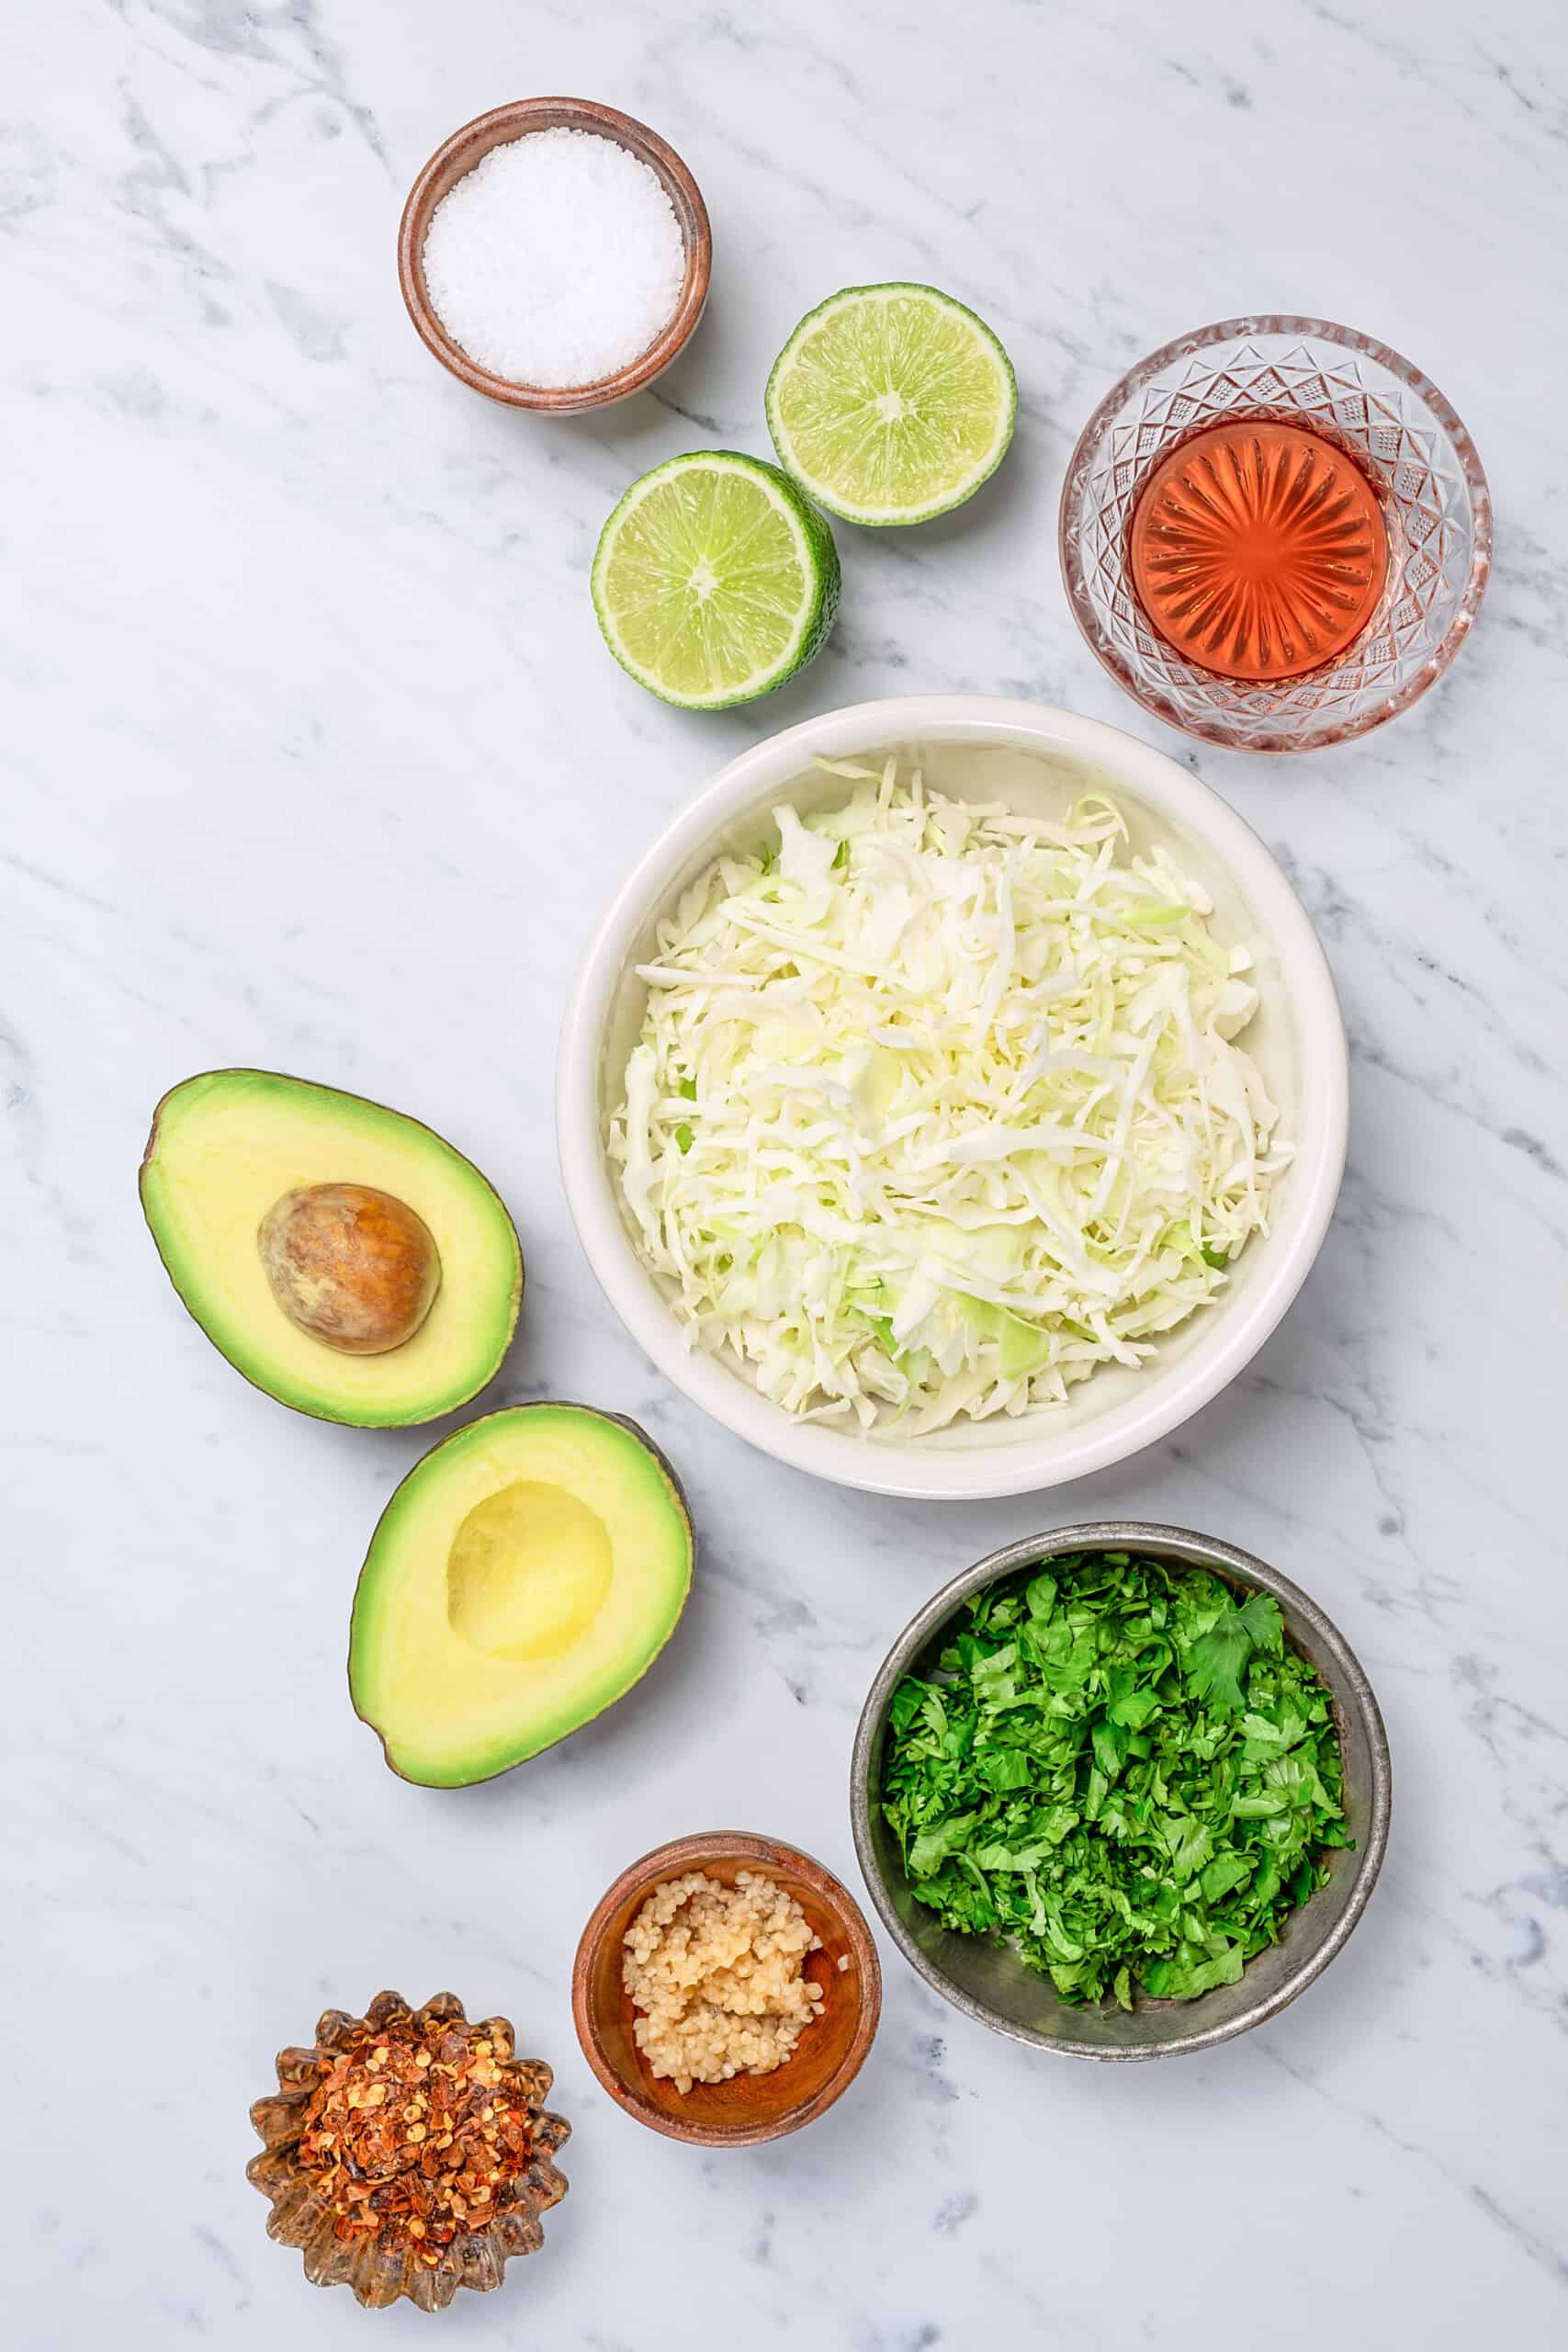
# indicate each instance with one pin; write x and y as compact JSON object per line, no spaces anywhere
{"x":1187,"y":347}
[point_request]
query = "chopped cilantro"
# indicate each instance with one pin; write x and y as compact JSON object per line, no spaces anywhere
{"x":687,"y":1089}
{"x":684,"y":1136}
{"x":1122,"y":1770}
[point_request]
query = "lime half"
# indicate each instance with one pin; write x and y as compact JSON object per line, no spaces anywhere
{"x":715,"y":579}
{"x":891,"y":403}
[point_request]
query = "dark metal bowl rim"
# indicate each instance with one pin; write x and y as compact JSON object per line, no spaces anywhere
{"x":1352,"y":1689}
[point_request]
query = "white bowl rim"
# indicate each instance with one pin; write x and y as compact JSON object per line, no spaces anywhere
{"x":1052,"y":1457}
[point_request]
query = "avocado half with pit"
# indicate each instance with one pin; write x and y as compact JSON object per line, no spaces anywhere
{"x":524,"y":1575}
{"x":342,"y":1256}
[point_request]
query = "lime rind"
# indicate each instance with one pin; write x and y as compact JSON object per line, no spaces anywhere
{"x":840,"y":430}
{"x":693,"y":569}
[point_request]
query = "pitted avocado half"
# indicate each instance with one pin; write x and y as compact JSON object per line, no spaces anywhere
{"x":342,"y":1256}
{"x":524,"y":1575}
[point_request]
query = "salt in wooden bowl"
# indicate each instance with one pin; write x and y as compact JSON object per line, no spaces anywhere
{"x":455,"y":159}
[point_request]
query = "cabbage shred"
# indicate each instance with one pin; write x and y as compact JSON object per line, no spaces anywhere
{"x":936,"y":1109}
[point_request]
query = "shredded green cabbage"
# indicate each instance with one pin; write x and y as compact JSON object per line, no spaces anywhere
{"x":936,"y":1109}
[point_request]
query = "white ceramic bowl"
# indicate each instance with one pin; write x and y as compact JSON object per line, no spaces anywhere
{"x":972,"y":747}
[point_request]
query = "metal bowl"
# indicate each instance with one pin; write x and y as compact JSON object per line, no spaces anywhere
{"x":984,"y":1976}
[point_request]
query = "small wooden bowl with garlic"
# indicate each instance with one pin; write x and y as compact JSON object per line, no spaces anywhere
{"x":840,"y":1970}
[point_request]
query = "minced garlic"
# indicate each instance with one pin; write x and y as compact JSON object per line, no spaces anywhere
{"x":717,"y":1973}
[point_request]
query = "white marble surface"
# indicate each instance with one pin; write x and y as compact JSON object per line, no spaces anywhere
{"x":315,"y":761}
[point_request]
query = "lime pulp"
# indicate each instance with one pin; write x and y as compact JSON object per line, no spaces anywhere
{"x":715,"y":579}
{"x":891,"y":403}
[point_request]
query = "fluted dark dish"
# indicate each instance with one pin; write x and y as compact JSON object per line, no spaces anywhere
{"x":380,"y":2275}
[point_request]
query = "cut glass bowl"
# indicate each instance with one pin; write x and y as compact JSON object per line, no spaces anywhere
{"x":1366,"y":399}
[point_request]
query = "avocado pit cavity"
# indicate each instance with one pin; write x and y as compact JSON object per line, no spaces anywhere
{"x":528,"y":1571}
{"x":352,"y":1267}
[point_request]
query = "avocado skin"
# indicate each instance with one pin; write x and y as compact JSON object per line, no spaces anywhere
{"x":508,"y":1412}
{"x":342,"y":1416}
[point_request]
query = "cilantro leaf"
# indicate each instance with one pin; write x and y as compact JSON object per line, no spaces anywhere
{"x":1260,"y":1612}
{"x":1217,"y":1660}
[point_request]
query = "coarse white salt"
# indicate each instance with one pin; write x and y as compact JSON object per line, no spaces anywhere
{"x":555,"y":260}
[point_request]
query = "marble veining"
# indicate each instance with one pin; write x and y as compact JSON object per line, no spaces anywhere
{"x":315,"y":761}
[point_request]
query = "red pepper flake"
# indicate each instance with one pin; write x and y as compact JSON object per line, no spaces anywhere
{"x":410,"y":2127}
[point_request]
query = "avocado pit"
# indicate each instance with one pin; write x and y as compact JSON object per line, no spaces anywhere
{"x":355,"y":1268}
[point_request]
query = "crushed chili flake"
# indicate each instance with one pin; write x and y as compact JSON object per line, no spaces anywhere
{"x":410,"y":2125}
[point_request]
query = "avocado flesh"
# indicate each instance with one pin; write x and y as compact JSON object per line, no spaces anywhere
{"x":226,"y":1146}
{"x":525,"y":1575}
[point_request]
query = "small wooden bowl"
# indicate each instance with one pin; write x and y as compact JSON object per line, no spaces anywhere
{"x":467,"y":147}
{"x":749,"y":2108}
